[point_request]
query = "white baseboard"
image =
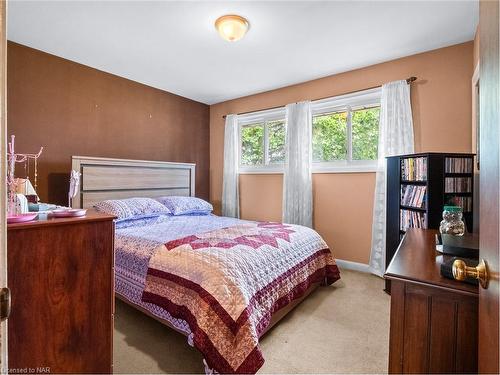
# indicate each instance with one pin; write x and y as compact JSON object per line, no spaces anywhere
{"x":354,"y":266}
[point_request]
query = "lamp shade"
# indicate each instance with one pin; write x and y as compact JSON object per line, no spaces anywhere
{"x":24,"y":186}
{"x":231,"y":27}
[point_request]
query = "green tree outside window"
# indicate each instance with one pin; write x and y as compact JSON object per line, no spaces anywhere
{"x":329,"y":138}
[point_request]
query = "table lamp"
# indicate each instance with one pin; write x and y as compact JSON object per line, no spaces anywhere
{"x":24,"y":186}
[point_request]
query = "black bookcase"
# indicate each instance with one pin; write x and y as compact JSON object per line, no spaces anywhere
{"x":444,"y":179}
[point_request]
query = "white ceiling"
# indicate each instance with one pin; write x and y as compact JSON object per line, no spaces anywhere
{"x":174,"y":46}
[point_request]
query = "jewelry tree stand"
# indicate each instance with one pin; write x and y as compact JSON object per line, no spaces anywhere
{"x":12,"y":159}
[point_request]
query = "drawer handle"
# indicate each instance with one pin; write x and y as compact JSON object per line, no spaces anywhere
{"x":461,"y":271}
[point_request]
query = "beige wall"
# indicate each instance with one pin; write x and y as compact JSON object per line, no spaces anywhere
{"x":343,"y":202}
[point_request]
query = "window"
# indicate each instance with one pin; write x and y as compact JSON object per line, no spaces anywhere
{"x":344,"y":135}
{"x":364,"y":123}
{"x":332,"y":132}
{"x":252,"y":144}
{"x":262,"y":141}
{"x":276,"y":144}
{"x":345,"y":132}
{"x":329,"y":137}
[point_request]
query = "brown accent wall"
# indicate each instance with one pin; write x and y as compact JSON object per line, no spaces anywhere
{"x":343,"y":202}
{"x":72,"y":109}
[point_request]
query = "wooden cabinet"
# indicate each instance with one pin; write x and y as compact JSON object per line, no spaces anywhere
{"x":60,"y":272}
{"x":434,"y":320}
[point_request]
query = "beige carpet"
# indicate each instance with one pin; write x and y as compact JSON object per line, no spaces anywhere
{"x":343,"y":328}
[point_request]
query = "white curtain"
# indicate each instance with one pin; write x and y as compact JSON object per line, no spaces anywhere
{"x":297,"y":179}
{"x":395,"y":138}
{"x":230,"y":193}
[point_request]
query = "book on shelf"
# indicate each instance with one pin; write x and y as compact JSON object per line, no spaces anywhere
{"x":414,"y":169}
{"x":464,"y":202}
{"x":458,"y":165}
{"x":413,"y":195}
{"x":411,"y":219}
{"x":458,"y":185}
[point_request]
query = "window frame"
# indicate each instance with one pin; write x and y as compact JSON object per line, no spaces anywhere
{"x":260,"y":118}
{"x":349,"y":102}
{"x":346,"y":103}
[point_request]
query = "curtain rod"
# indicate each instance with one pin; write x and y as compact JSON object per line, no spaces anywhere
{"x":408,"y":81}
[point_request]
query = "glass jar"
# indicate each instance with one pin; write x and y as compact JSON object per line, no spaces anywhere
{"x":452,"y":222}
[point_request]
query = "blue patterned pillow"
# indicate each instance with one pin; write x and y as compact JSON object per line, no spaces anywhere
{"x":132,"y":208}
{"x":186,"y":205}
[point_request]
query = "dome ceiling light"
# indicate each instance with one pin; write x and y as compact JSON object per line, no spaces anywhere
{"x":232,"y":27}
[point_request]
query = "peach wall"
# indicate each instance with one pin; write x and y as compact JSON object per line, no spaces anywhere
{"x":475,"y":53}
{"x":257,"y":203}
{"x":343,"y":202}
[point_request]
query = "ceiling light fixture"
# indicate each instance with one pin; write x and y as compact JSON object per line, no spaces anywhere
{"x":231,"y":27}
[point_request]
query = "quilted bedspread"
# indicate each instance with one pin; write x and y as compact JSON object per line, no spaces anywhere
{"x":226,"y":284}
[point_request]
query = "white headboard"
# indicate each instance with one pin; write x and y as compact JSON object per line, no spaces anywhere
{"x":106,"y":178}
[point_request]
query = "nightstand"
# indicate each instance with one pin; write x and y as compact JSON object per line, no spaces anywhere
{"x":434,"y":320}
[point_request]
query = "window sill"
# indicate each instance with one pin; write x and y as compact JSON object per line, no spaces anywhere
{"x":350,"y":169}
{"x":261,"y":170}
{"x":315,"y":170}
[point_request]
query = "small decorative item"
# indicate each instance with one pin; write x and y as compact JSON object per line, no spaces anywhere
{"x":69,"y":212}
{"x":12,"y":159}
{"x":21,"y":218}
{"x":74,"y":185}
{"x":452,"y":222}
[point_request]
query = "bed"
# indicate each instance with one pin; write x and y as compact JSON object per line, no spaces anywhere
{"x":222,"y":282}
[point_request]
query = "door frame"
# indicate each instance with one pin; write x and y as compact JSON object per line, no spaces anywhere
{"x":475,"y":82}
{"x":475,"y":141}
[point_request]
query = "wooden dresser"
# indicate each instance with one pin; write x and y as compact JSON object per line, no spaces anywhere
{"x":60,"y":272}
{"x":434,"y":320}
